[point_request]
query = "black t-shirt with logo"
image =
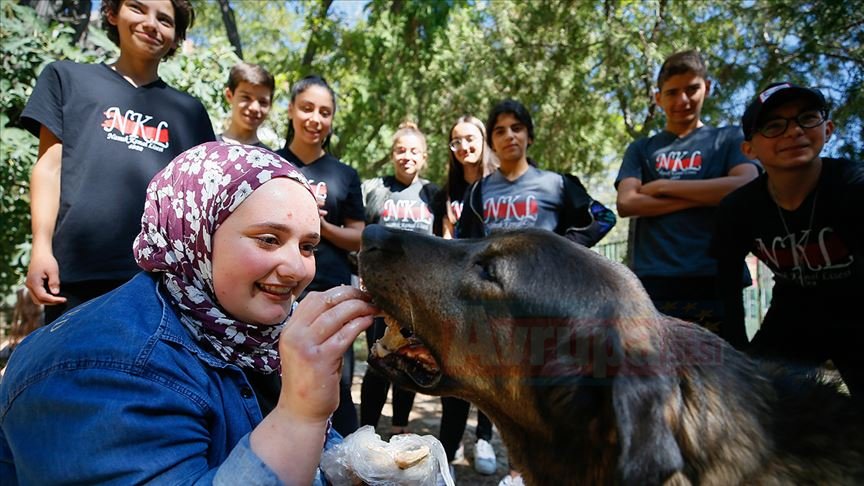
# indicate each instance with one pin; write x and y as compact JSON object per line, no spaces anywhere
{"x":816,"y":252}
{"x":115,"y":138}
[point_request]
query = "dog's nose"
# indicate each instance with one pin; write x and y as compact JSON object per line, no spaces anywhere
{"x":377,"y":237}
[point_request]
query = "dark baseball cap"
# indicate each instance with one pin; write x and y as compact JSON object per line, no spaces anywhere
{"x":773,"y":96}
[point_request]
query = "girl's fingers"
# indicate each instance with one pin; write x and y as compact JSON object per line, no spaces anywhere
{"x":338,"y":342}
{"x":335,"y":318}
{"x":318,"y":302}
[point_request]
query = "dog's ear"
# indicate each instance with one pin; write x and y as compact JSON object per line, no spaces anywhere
{"x":649,"y":452}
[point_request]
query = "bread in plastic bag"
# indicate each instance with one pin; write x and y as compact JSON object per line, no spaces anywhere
{"x":407,"y":460}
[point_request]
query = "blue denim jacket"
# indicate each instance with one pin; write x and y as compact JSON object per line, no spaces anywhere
{"x":117,"y":391}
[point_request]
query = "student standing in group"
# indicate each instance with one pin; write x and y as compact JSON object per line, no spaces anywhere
{"x":250,"y":93}
{"x":672,"y":182}
{"x":801,"y":218}
{"x":469,"y":161}
{"x":519,"y":195}
{"x":146,"y":386}
{"x":104,"y":130}
{"x":401,"y":201}
{"x":337,"y":187}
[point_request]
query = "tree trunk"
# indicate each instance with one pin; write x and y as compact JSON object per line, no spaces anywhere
{"x":231,"y":27}
{"x":315,"y":28}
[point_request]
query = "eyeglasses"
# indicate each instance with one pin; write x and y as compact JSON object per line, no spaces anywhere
{"x":807,"y":119}
{"x":457,"y":143}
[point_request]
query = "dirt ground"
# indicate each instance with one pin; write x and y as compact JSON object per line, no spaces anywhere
{"x":425,"y":419}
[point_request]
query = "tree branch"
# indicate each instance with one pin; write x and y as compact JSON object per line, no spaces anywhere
{"x":231,"y":27}
{"x":315,"y":29}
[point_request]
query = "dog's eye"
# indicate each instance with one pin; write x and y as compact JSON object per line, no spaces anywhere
{"x":487,"y":272}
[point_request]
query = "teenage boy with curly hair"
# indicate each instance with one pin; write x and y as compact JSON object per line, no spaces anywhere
{"x":104,"y":131}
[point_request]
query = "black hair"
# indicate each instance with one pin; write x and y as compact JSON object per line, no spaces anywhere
{"x":252,"y":74}
{"x":301,"y":86}
{"x":514,"y":108}
{"x":184,"y":17}
{"x":683,"y":62}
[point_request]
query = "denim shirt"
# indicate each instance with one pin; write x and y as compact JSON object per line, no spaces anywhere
{"x":116,"y":391}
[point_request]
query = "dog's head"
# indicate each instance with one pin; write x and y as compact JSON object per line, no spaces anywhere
{"x":525,"y":319}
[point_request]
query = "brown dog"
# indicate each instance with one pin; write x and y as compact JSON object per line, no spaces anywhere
{"x":585,"y":380}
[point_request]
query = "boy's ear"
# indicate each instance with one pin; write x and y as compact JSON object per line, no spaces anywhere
{"x":229,"y":95}
{"x":707,"y":87}
{"x":112,"y":17}
{"x":747,"y":150}
{"x":829,"y":129}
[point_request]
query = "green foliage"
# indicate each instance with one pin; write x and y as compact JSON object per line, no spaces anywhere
{"x":202,"y":73}
{"x":29,"y":44}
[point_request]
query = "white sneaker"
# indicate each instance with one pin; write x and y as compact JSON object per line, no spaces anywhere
{"x":512,"y":481}
{"x":484,"y":458}
{"x":460,"y":453}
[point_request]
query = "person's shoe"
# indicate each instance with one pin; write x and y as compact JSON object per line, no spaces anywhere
{"x":485,"y":461}
{"x":460,"y":454}
{"x":510,"y":480}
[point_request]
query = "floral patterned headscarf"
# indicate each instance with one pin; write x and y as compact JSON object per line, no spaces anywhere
{"x":186,"y":203}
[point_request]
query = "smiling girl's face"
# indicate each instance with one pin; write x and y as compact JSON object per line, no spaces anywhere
{"x":409,"y":157}
{"x":311,"y":112}
{"x":468,"y":142}
{"x":263,"y":252}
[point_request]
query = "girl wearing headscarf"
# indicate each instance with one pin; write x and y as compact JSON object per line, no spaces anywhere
{"x":147,"y":383}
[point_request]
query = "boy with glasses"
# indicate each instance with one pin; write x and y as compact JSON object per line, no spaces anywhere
{"x":802,"y":218}
{"x":671,"y":183}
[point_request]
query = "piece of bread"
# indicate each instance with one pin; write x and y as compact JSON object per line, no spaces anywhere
{"x":406,"y":459}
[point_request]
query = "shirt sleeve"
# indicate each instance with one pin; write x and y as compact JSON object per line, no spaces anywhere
{"x":732,"y":139}
{"x":585,"y":221}
{"x":631,"y":166}
{"x":353,"y":208}
{"x":243,"y":466}
{"x":45,"y":106}
{"x":729,"y":247}
{"x":204,"y":126}
{"x":99,"y":425}
{"x":849,"y":190}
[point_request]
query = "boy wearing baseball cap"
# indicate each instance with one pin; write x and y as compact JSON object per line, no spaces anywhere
{"x":803,"y":219}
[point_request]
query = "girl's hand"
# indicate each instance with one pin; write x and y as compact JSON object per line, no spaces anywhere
{"x":311,"y":346}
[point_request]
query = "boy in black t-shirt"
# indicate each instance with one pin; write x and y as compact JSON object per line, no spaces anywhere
{"x":104,"y":131}
{"x":250,"y":93}
{"x":802,"y":218}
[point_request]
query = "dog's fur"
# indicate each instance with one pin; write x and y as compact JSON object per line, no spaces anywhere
{"x":587,"y":382}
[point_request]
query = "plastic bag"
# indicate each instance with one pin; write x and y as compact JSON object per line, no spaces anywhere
{"x":407,"y":460}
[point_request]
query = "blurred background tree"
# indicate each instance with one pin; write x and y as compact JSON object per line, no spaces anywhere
{"x":585,"y":68}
